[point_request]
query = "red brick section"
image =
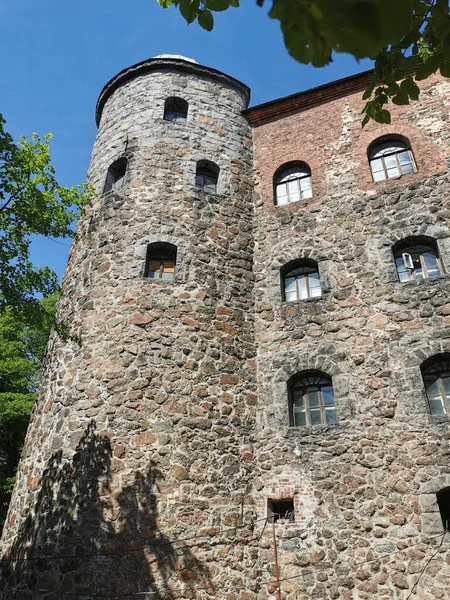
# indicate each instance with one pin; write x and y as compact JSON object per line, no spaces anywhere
{"x":322,"y":127}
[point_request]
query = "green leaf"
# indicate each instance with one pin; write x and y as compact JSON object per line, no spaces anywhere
{"x":164,"y":3}
{"x":427,"y":68}
{"x":393,"y":89}
{"x":445,"y":69}
{"x":205,"y":19}
{"x":401,"y":98}
{"x":218,"y":5}
{"x":189,"y":9}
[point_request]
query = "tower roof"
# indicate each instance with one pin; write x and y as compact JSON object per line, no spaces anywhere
{"x":169,"y":62}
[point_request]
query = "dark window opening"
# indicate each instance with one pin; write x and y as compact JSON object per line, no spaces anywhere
{"x":175,"y":109}
{"x":161,"y":261}
{"x":206,"y":176}
{"x":281,"y":510}
{"x":443,"y":500}
{"x":115,"y":177}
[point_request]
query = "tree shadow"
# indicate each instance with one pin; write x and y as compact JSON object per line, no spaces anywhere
{"x":87,"y":537}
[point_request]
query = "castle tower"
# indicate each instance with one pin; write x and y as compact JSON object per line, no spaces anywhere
{"x":137,"y":444}
{"x":254,"y":400}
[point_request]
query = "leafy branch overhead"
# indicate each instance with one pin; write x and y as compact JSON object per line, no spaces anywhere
{"x":31,"y":203}
{"x":407,"y":39}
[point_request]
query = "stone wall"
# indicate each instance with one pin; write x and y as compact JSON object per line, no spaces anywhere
{"x":139,"y":435}
{"x":162,"y":426}
{"x":360,"y":487}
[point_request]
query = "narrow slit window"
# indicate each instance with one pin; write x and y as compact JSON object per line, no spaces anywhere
{"x":281,"y":510}
{"x":161,"y":261}
{"x":115,"y":178}
{"x":175,"y":109}
{"x":443,"y":500}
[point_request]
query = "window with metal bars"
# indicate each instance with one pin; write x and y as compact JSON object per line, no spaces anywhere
{"x":161,"y":261}
{"x":417,"y":258}
{"x":206,"y":176}
{"x":292,"y":183}
{"x":311,"y":399}
{"x":115,"y":176}
{"x":436,"y":379}
{"x":390,"y":158}
{"x":300,"y":281}
{"x":443,"y":500}
{"x":281,"y":510}
{"x":175,"y":109}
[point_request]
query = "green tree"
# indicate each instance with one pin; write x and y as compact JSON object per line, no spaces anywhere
{"x":21,"y":353}
{"x":31,"y":202}
{"x":408,"y":39}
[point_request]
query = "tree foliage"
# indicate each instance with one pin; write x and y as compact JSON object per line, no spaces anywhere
{"x":21,"y":353}
{"x":31,"y":202}
{"x":408,"y":39}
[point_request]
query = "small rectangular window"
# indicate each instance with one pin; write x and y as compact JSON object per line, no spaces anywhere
{"x":281,"y":510}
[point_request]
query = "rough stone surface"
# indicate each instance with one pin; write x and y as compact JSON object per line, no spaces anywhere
{"x":155,"y":445}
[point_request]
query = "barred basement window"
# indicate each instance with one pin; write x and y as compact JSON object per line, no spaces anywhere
{"x":292,"y":183}
{"x":281,"y":510}
{"x":175,"y":109}
{"x":443,"y":500}
{"x":116,"y":175}
{"x":417,"y":258}
{"x":161,"y":261}
{"x":436,"y":379}
{"x":390,"y":158}
{"x":311,"y":399}
{"x":300,"y":281}
{"x":206,"y":176}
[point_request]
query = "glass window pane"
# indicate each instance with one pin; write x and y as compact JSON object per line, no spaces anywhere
{"x":436,"y":406}
{"x":377,"y":169}
{"x":291,"y":296}
{"x":330,"y":415}
{"x":393,"y":172}
{"x":199,"y":180}
{"x":313,"y":398}
{"x":327,"y":396}
{"x":293,"y":191}
{"x":314,"y":285}
{"x":432,"y":388}
{"x":306,"y":188}
{"x":281,"y":193}
{"x":302,"y":289}
{"x":431,"y":264}
{"x":404,"y":274}
{"x":300,"y":418}
{"x":446,"y":384}
{"x":315,"y":417}
{"x":167,"y":276}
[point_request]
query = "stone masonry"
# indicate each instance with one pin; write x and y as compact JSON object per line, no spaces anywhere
{"x":161,"y":429}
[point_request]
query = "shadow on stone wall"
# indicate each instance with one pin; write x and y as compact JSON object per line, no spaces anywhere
{"x":102,"y":544}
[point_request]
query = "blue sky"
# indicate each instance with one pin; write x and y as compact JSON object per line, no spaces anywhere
{"x":56,"y":56}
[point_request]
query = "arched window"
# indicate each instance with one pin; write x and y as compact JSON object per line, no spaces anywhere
{"x":175,"y":109}
{"x":417,"y":258}
{"x":311,"y":399}
{"x":300,"y":280}
{"x":436,"y":379}
{"x":161,"y":261}
{"x":443,"y":500}
{"x":116,"y":175}
{"x":206,"y":176}
{"x":390,"y":157}
{"x":292,"y":183}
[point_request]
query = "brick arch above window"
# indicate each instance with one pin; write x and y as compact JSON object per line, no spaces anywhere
{"x":428,"y":158}
{"x":390,"y":157}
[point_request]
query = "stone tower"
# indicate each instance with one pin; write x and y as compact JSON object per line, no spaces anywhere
{"x":139,"y":435}
{"x":254,"y":402}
